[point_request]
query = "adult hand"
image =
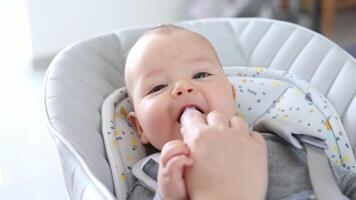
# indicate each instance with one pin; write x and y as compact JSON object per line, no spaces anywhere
{"x":229,"y":161}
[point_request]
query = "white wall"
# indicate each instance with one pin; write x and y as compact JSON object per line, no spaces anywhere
{"x":134,"y":12}
{"x":57,"y":23}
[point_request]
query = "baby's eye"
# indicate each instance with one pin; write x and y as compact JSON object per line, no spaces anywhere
{"x":157,"y":88}
{"x":201,"y":75}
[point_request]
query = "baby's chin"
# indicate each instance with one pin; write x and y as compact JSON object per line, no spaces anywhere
{"x":150,"y":149}
{"x":160,"y":145}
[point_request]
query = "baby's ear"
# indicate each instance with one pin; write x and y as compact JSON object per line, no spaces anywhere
{"x":136,"y":125}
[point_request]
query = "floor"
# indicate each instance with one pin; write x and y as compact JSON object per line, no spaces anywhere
{"x":29,"y":162}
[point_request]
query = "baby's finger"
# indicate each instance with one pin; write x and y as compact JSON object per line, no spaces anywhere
{"x":217,"y":118}
{"x":171,"y":149}
{"x":174,"y":168}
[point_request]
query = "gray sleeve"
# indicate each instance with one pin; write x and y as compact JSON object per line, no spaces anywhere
{"x":140,"y":192}
{"x":346,"y":180}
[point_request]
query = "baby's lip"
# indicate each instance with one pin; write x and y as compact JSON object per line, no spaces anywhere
{"x":186,"y":107}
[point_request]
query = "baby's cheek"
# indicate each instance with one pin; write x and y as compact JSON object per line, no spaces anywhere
{"x":152,"y":114}
{"x":224,"y":100}
{"x":155,"y":109}
{"x":155,"y":123}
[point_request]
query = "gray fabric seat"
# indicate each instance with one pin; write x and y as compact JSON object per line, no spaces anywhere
{"x":82,"y":75}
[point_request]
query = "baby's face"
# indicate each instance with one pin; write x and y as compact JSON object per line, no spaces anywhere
{"x":166,"y":73}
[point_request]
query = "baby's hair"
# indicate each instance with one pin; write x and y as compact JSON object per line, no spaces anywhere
{"x":171,"y":28}
{"x":165,"y":28}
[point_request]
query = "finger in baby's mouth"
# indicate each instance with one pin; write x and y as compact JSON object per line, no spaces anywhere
{"x":186,"y":108}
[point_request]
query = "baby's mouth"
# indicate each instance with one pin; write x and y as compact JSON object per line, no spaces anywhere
{"x":188,"y":107}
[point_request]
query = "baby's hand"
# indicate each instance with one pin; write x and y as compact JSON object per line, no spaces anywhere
{"x":174,"y":157}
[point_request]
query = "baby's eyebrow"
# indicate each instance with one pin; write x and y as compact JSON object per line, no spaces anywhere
{"x":145,"y":82}
{"x":200,"y":59}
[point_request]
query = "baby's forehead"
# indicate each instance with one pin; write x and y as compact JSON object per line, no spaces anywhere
{"x":171,"y":33}
{"x":135,"y":60}
{"x":151,"y":40}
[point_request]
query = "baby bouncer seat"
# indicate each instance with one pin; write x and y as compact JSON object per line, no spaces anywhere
{"x":84,"y":74}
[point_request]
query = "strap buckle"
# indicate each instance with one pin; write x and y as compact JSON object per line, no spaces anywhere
{"x":311,"y":140}
{"x":293,"y":133}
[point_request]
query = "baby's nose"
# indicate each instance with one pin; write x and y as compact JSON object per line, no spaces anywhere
{"x":182,"y":87}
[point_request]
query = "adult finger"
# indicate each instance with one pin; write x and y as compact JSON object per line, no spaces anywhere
{"x":217,"y":118}
{"x":240,"y":124}
{"x":259,"y":138}
{"x":191,"y":121}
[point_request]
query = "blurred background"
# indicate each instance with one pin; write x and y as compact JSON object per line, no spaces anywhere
{"x":32,"y":32}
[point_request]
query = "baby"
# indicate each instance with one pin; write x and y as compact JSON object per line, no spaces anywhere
{"x":170,"y":69}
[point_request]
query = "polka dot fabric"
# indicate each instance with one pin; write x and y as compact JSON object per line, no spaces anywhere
{"x":121,"y":141}
{"x":264,"y":93}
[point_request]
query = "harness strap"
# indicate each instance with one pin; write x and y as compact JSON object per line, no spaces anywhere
{"x":321,"y":176}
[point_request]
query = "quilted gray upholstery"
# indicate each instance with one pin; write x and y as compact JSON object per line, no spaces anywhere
{"x":82,"y":75}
